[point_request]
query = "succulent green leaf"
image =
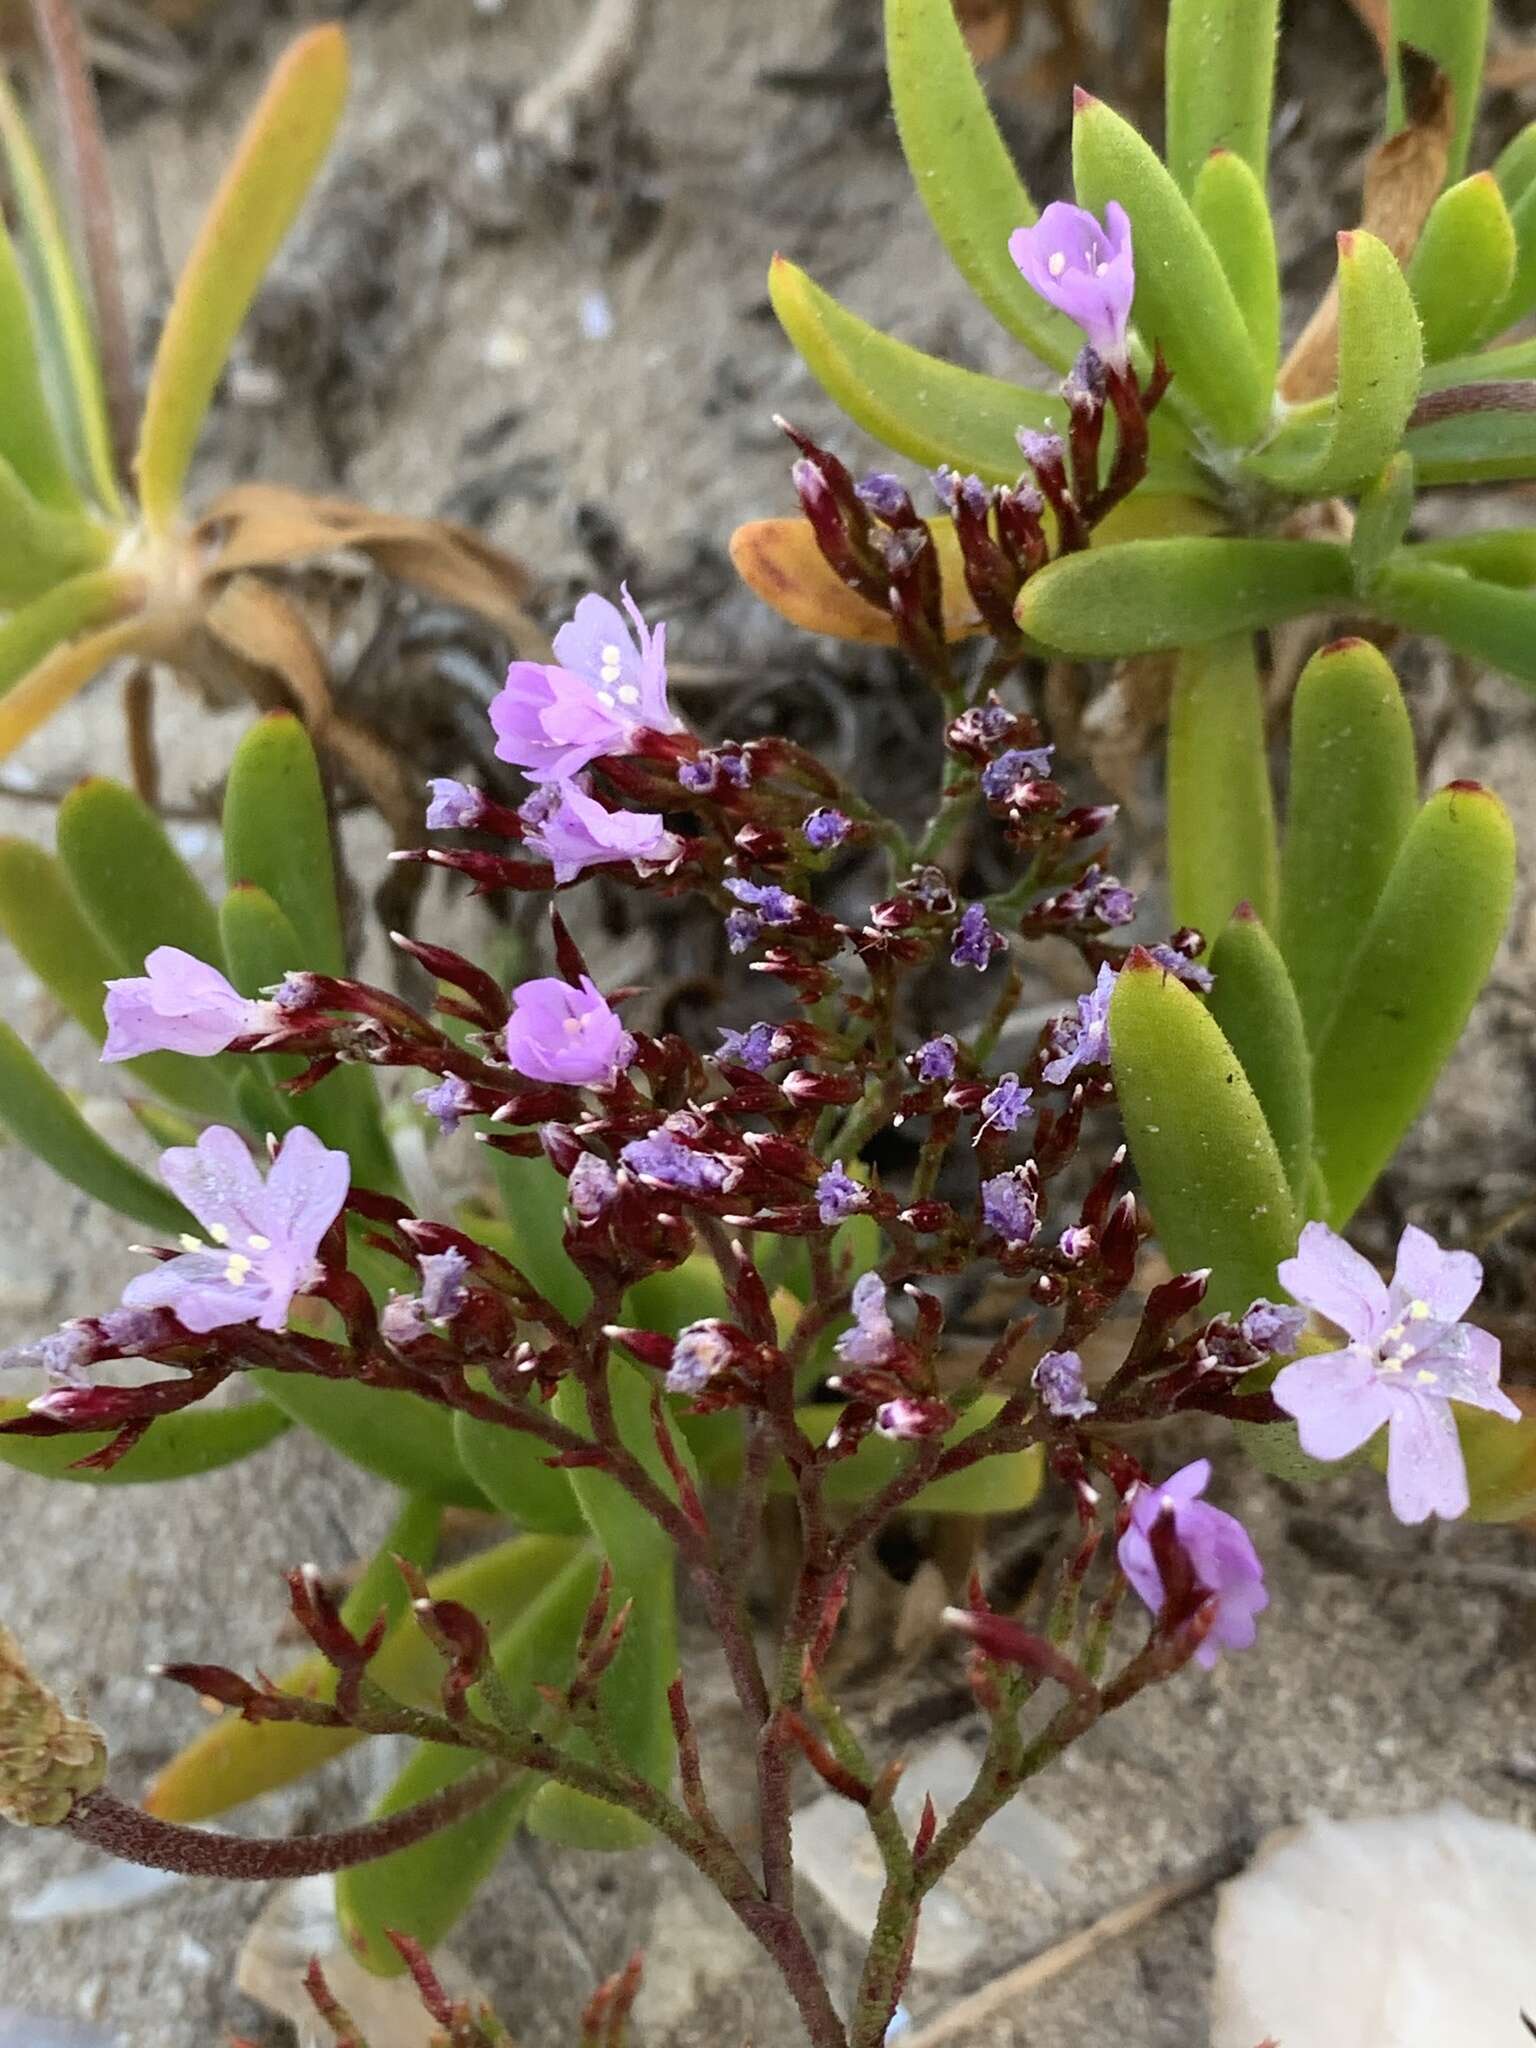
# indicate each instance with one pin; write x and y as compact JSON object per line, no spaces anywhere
{"x":995,"y":1486}
{"x":1155,"y":594}
{"x":399,"y":1436}
{"x":1455,"y":34}
{"x":1463,"y":269}
{"x":1381,"y":520}
{"x":1221,"y":820}
{"x":421,"y":1891}
{"x":74,"y":606}
{"x":175,"y":1447}
{"x":1381,"y":360}
{"x":66,"y":344}
{"x":134,"y":886}
{"x":1501,"y":1462}
{"x":235,"y":1760}
{"x":1515,"y":164}
{"x":37,"y":1112}
{"x":1220,"y":70}
{"x":41,"y":916}
{"x":1521,"y":297}
{"x":1501,"y":555}
{"x":1516,"y":360}
{"x":1183,"y":300}
{"x":29,"y":443}
{"x":1231,"y":207}
{"x":261,"y":946}
{"x":281,"y":150}
{"x":511,"y":1469}
{"x":1490,"y":621}
{"x":1353,"y":797}
{"x":40,"y":546}
{"x":624,"y":1530}
{"x":1421,"y":963}
{"x":532,"y":1196}
{"x":963,"y":172}
{"x":277,"y":834}
{"x":1492,"y":444}
{"x":1255,"y":1004}
{"x":1213,"y":1179}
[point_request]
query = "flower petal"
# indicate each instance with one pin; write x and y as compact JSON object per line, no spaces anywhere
{"x":1465,"y":1366}
{"x":198,"y":1291}
{"x":217,"y":1179}
{"x":1426,"y":1472}
{"x":596,"y":644}
{"x":1337,"y":1400}
{"x":305,"y":1190}
{"x":1447,"y":1281}
{"x":1331,"y":1277}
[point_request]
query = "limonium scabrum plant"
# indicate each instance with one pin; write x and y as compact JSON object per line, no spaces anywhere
{"x":805,"y":1354}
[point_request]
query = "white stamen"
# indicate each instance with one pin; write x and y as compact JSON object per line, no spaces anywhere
{"x":189,"y":1243}
{"x":628,"y":694}
{"x":219,"y":1232}
{"x":1057,"y":264}
{"x":258,"y":1243}
{"x":1417,"y":1311}
{"x":239,"y":1265}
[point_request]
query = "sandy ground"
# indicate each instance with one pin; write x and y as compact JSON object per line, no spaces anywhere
{"x":600,"y":384}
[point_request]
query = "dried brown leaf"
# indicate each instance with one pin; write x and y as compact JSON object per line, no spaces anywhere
{"x":1402,"y":181}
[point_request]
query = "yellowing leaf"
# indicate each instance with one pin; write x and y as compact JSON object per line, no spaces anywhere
{"x":284,"y":145}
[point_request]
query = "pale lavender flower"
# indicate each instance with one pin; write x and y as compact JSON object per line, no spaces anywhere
{"x":756,"y":1048}
{"x":870,"y":1339}
{"x":825,"y":828}
{"x":1409,"y":1356}
{"x":591,"y":1186}
{"x":710,"y":770}
{"x":179,"y":1004}
{"x":936,"y":1059}
{"x":663,"y":1159}
{"x":451,"y":1100}
{"x":576,"y":832}
{"x":1004,"y":1105}
{"x":839,"y":1195}
{"x":743,"y":928}
{"x":1075,"y":1243}
{"x":569,"y":1036}
{"x":1001,"y":777}
{"x":64,"y":1355}
{"x":1220,"y":1552}
{"x":1010,"y":1204}
{"x":908,"y":1419}
{"x":1058,"y":1380}
{"x":1083,"y":1040}
{"x":702,"y":1352}
{"x":553,"y":719}
{"x":768,"y":902}
{"x":974,"y":941}
{"x":403,"y":1320}
{"x":1182,"y":968}
{"x":443,"y":1292}
{"x":262,"y":1237}
{"x":1273,"y":1327}
{"x":455,"y":807}
{"x":135,"y":1330}
{"x":1082,"y":269}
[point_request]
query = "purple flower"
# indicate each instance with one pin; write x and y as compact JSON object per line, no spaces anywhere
{"x":936,"y":1059}
{"x":134,"y":1330}
{"x":974,"y":940}
{"x":1273,"y":1328}
{"x":908,"y":1420}
{"x":262,"y":1236}
{"x":1004,"y":1106}
{"x":1220,"y":1553}
{"x":1075,"y":1243}
{"x":755,"y":1048}
{"x":179,"y":1004}
{"x":592,"y":1185}
{"x":839,"y":1196}
{"x":1020,"y":764}
{"x":1010,"y":1204}
{"x":449,"y":1101}
{"x":1083,"y":270}
{"x":570,"y":1036}
{"x":770,"y":903}
{"x":702,"y":1352}
{"x":455,"y":807}
{"x":826,"y":828}
{"x":63,"y":1355}
{"x":885,"y":495}
{"x":576,"y":832}
{"x":1409,"y":1357}
{"x":443,"y":1292}
{"x":1083,"y":1040}
{"x":1058,"y":1380}
{"x":661,"y":1158}
{"x":711,"y":769}
{"x":870,"y":1340}
{"x":552,"y":719}
{"x":1182,"y":968}
{"x":742,"y":930}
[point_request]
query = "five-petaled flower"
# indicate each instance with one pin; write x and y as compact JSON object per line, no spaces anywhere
{"x":1003,"y":1105}
{"x":1083,"y":1040}
{"x":1058,"y":1380}
{"x":1219,"y":1549}
{"x":553,"y":719}
{"x":1408,"y":1357}
{"x":1084,"y":270}
{"x":260,"y":1237}
{"x":573,"y":831}
{"x":870,"y":1339}
{"x":179,"y":1004}
{"x":839,"y":1195}
{"x":975,"y":939}
{"x":567,"y":1035}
